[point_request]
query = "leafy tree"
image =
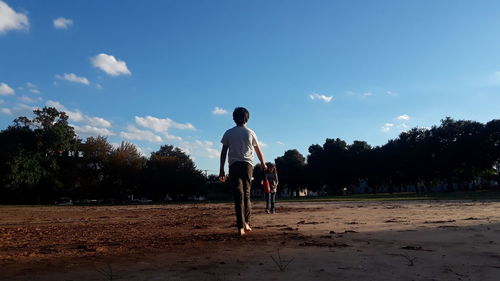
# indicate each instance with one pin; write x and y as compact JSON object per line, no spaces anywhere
{"x":35,"y":148}
{"x":95,"y":164}
{"x":292,"y":170}
{"x":123,"y":172}
{"x":172,"y":172}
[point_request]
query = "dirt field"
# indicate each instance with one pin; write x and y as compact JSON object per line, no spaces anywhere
{"x":323,"y":241}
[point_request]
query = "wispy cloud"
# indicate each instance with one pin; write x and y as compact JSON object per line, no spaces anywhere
{"x":403,"y":117}
{"x":280,"y":143}
{"x":316,"y":96}
{"x":219,"y":111}
{"x":77,"y":116}
{"x":359,"y":95}
{"x":403,"y":126}
{"x":162,"y":125}
{"x":200,"y":149}
{"x":71,"y":77}
{"x":18,"y":110}
{"x":392,"y":94}
{"x":30,"y":99}
{"x":62,"y":23}
{"x":88,"y":131}
{"x":11,"y":20}
{"x":6,"y":90}
{"x":133,"y":133}
{"x":387,"y":127}
{"x":110,"y":65}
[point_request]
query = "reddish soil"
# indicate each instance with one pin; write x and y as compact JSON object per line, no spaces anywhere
{"x":350,"y":241}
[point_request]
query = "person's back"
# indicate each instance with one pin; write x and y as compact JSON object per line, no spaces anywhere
{"x":240,"y":141}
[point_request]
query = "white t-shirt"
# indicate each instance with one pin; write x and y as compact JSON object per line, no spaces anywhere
{"x":240,"y":141}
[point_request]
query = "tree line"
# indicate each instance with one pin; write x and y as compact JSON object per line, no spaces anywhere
{"x":456,"y":155}
{"x":41,"y":160}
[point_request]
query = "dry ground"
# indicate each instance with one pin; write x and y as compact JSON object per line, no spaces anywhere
{"x":418,"y":240}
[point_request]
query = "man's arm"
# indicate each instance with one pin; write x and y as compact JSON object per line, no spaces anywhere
{"x":223,"y":154}
{"x":261,"y":157}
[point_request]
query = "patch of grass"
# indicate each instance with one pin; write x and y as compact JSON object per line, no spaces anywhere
{"x":457,"y":195}
{"x":280,"y":263}
{"x":107,"y":274}
{"x":400,"y":196}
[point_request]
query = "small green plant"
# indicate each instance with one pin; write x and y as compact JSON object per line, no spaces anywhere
{"x":409,"y":259}
{"x":106,"y":273}
{"x":280,"y":263}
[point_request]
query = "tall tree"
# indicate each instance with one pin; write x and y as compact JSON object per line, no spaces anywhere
{"x":292,"y":170}
{"x":36,"y":147}
{"x":172,"y":172}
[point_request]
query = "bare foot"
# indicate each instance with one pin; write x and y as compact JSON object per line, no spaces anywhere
{"x":241,"y":231}
{"x":247,"y":227}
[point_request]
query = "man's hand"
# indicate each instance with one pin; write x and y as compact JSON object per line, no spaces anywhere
{"x":222,"y":176}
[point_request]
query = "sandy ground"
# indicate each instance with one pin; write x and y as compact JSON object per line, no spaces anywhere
{"x":421,"y":240}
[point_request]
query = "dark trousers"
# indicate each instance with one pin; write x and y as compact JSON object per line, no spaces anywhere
{"x":270,"y":201}
{"x":240,"y":176}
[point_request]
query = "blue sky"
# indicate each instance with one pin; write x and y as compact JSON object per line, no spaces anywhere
{"x":154,"y":72}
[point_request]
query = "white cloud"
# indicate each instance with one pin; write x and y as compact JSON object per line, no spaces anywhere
{"x":219,"y":111}
{"x":360,"y":95}
{"x":73,"y":78}
{"x":11,"y":20}
{"x":87,"y":131}
{"x":29,"y":99}
{"x":62,"y":23}
{"x":262,"y":144}
{"x":18,"y":110}
{"x":5,"y":90}
{"x":110,"y":65}
{"x":404,"y":117}
{"x":403,"y":126}
{"x":98,"y":121}
{"x":160,"y":125}
{"x":280,"y":143}
{"x":77,"y":116}
{"x":200,"y":148}
{"x":387,"y":127}
{"x":393,"y":94}
{"x":324,"y":98}
{"x":144,"y":151}
{"x":133,"y":133}
{"x":98,"y":86}
{"x":32,"y":88}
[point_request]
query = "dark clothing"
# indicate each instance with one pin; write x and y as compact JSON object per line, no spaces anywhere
{"x":270,"y":201}
{"x":240,"y":176}
{"x":273,"y":181}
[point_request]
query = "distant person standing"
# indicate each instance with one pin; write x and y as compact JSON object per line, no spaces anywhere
{"x":240,"y":141}
{"x":271,"y":175}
